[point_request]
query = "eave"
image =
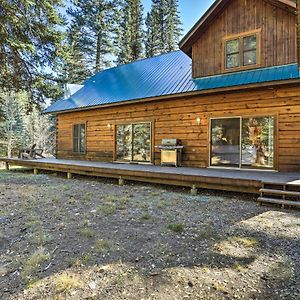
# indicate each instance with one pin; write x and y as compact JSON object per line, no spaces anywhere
{"x":243,"y":88}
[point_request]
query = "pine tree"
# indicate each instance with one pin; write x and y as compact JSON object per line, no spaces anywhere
{"x":93,"y":22}
{"x":131,"y":41}
{"x":173,"y":25}
{"x":29,"y":43}
{"x":163,"y":27}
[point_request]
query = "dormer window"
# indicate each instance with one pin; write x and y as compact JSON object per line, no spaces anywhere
{"x":242,"y":51}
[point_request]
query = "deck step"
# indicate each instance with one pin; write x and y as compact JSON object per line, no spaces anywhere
{"x":279,"y":192}
{"x":278,"y":201}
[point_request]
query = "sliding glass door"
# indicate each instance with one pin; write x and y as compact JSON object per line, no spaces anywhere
{"x":242,"y":142}
{"x":133,"y":142}
{"x":225,"y":142}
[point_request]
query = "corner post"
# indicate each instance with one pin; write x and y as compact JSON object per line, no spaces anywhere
{"x":35,"y":171}
{"x":194,"y":190}
{"x":69,"y":175}
{"x":121,"y":181}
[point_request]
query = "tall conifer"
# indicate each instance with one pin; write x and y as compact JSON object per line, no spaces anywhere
{"x":163,"y":27}
{"x":131,"y":41}
{"x":93,"y":21}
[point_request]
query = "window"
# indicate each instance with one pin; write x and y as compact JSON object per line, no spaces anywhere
{"x":243,"y":142}
{"x":242,"y":51}
{"x":79,"y":138}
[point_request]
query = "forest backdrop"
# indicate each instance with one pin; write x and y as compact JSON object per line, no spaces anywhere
{"x":46,"y":44}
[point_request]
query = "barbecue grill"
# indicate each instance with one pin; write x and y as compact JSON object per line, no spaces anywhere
{"x":171,"y":152}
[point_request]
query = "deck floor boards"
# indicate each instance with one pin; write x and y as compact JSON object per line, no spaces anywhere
{"x":211,"y":175}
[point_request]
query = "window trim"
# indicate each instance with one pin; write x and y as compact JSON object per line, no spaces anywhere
{"x":240,"y":37}
{"x":85,"y":144}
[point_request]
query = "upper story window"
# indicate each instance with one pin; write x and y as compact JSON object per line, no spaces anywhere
{"x":242,"y":51}
{"x":79,"y":138}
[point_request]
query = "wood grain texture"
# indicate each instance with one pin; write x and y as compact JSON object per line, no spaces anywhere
{"x":178,"y":119}
{"x":278,"y":35}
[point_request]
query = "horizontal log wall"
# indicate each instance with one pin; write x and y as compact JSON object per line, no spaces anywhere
{"x":177,"y":118}
{"x":278,"y":35}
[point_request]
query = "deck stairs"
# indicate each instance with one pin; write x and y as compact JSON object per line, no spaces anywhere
{"x":283,"y":194}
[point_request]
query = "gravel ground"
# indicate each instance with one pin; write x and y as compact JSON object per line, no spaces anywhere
{"x":92,"y":239}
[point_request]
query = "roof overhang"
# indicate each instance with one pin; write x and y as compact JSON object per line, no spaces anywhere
{"x":200,"y":27}
{"x":270,"y":85}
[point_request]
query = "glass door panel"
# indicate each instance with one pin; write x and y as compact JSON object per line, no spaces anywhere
{"x":258,"y":142}
{"x":225,"y":142}
{"x":133,"y":142}
{"x":141,"y":142}
{"x":124,"y":142}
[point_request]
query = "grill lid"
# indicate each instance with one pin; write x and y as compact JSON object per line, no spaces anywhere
{"x":170,"y":142}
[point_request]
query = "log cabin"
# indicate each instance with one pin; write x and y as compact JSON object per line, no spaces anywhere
{"x":230,"y":95}
{"x":225,"y":108}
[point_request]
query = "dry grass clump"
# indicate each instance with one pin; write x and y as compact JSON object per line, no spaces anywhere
{"x":34,"y":261}
{"x":66,"y":282}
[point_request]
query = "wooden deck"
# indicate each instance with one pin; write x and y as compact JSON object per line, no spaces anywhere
{"x":217,"y":179}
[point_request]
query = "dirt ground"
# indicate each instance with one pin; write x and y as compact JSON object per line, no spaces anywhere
{"x":92,"y":239}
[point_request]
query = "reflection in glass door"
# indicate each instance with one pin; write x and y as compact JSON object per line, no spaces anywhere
{"x":258,"y":142}
{"x":124,"y":142}
{"x":133,"y":142}
{"x":141,"y":142}
{"x":225,"y":142}
{"x":243,"y":142}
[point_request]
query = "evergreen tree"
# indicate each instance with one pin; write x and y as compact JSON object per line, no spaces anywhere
{"x":73,"y":68}
{"x":173,"y":26}
{"x":29,"y":43}
{"x":92,"y":24}
{"x":131,"y":33}
{"x":163,"y":27}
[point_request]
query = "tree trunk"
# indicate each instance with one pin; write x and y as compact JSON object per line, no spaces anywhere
{"x":98,"y":53}
{"x":9,"y":146}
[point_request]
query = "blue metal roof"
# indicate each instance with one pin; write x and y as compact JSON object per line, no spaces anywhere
{"x":163,"y":75}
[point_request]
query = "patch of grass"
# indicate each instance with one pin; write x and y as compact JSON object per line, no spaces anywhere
{"x":41,"y":239}
{"x":205,"y":233}
{"x":176,"y":227}
{"x":237,"y":266}
{"x":102,"y":246}
{"x":249,"y":242}
{"x":72,"y":200}
{"x":33,"y":221}
{"x":146,"y":217}
{"x":161,"y":204}
{"x":86,"y":258}
{"x":107,"y":209}
{"x":219,"y":287}
{"x":67,"y":282}
{"x":34,"y":261}
{"x":87,"y":232}
{"x":110,"y":198}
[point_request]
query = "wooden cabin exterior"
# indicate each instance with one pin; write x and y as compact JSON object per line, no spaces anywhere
{"x":253,"y":123}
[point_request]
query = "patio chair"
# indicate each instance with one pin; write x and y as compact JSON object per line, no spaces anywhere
{"x":32,"y":152}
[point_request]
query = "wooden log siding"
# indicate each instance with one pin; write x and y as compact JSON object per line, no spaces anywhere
{"x":278,"y":35}
{"x":178,"y":119}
